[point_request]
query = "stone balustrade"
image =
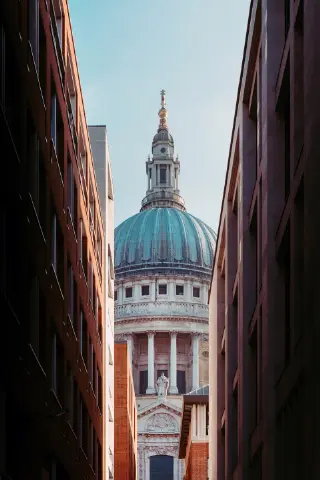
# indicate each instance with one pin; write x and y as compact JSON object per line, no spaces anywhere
{"x":161,"y":308}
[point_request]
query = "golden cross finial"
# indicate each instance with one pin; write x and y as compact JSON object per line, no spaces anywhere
{"x":163,"y":98}
{"x":163,"y":111}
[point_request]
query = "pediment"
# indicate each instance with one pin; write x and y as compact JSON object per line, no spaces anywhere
{"x":161,"y":422}
{"x":159,"y":406}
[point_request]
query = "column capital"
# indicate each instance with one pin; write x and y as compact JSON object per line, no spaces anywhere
{"x":123,"y":336}
{"x":151,"y":334}
{"x":173,"y":333}
{"x":196,"y":335}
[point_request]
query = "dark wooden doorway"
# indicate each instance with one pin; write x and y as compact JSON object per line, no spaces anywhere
{"x":143,"y":382}
{"x":181,"y":381}
{"x":161,"y":467}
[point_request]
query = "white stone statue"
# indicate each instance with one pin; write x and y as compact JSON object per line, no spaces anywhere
{"x":162,"y":385}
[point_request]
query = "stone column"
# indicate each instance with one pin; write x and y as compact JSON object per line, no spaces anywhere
{"x":129,"y":338}
{"x":153,"y":176}
{"x":195,"y":361}
{"x":171,"y":286}
{"x":120,"y":294}
{"x":173,"y":364}
{"x":153,"y":290}
{"x":188,"y":293}
{"x":205,"y":293}
{"x":150,"y":390}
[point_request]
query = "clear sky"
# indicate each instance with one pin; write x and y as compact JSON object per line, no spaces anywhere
{"x":127,"y":52}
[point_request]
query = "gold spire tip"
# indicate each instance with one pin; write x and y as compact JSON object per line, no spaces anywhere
{"x":163,"y":98}
{"x":163,"y":111}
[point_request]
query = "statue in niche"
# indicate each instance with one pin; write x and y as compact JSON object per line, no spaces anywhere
{"x":162,"y":386}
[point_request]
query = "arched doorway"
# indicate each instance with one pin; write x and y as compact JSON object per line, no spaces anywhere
{"x":161,"y":467}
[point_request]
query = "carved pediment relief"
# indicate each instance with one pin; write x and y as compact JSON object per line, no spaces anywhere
{"x":154,"y":407}
{"x":162,"y":422}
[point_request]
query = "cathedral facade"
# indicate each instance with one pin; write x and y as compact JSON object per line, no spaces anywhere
{"x":163,"y":261}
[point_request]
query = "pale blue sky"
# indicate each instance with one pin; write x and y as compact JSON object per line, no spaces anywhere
{"x":127,"y":52}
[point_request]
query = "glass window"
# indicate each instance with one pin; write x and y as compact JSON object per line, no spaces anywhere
{"x":129,"y":292}
{"x":70,"y":186}
{"x":33,"y":29}
{"x":70,"y":290}
{"x":42,"y":58}
{"x":54,"y":242}
{"x":84,"y":338}
{"x":163,"y":174}
{"x":57,"y":367}
{"x":145,"y":290}
{"x":91,"y":205}
{"x":179,"y":290}
{"x":53,"y":114}
{"x":162,"y":289}
{"x":196,"y":292}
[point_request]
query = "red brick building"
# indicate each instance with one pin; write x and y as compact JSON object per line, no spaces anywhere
{"x":125,"y":416}
{"x":194,"y":439}
{"x":265,"y":302}
{"x":52,"y":258}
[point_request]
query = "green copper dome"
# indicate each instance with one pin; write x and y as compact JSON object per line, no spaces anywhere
{"x":160,"y":240}
{"x":163,"y":238}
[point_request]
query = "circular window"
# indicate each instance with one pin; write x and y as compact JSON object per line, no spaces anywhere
{"x":205,"y":354}
{"x":163,"y":150}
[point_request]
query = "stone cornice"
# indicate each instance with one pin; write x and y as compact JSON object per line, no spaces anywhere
{"x":139,"y":320}
{"x":156,"y":406}
{"x":121,"y":280}
{"x":157,"y":271}
{"x":125,"y":336}
{"x":158,"y":434}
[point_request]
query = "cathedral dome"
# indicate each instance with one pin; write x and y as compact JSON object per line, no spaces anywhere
{"x":162,"y":240}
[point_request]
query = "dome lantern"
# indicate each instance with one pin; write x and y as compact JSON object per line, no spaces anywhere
{"x":163,"y":169}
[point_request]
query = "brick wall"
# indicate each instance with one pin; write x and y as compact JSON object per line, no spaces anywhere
{"x":125,"y":415}
{"x":197,"y":462}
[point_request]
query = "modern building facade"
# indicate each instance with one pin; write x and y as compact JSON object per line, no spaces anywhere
{"x":125,"y":465}
{"x":264,"y":302}
{"x":163,"y":261}
{"x":194,"y":434}
{"x":52,"y":255}
{"x":102,"y":166}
